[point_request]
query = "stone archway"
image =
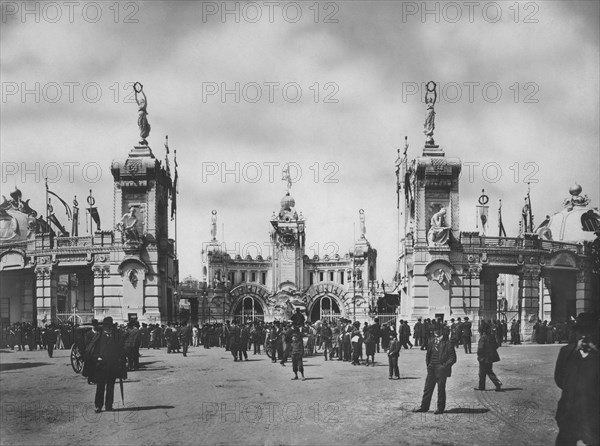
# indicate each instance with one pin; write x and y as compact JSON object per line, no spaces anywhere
{"x":328,"y":300}
{"x":249,"y":302}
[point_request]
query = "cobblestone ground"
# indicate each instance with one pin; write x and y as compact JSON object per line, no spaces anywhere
{"x":207,"y":398}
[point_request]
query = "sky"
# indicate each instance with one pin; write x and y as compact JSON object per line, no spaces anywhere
{"x":241,"y":88}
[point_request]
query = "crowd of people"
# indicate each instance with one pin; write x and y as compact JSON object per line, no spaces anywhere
{"x":25,"y":336}
{"x":110,"y":351}
{"x":551,"y":332}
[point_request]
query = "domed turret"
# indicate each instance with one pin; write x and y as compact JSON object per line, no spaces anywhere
{"x":575,"y":223}
{"x":288,"y":202}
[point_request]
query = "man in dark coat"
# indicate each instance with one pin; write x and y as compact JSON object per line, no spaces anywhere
{"x":233,"y":339}
{"x":185,"y":336}
{"x":244,"y":339}
{"x":487,"y":354}
{"x":132,"y":346}
{"x":298,"y":319}
{"x":417,"y":332}
{"x":50,"y":336}
{"x":440,"y":358}
{"x":577,"y":374}
{"x":105,"y":362}
{"x":466,"y":334}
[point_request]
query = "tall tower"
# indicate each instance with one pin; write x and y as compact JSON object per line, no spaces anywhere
{"x":288,"y":239}
{"x":147,"y":265}
{"x":431,"y":184}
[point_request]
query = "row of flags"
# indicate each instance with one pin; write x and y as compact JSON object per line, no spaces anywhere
{"x":72,"y":215}
{"x":92,"y":215}
{"x":172,"y":186}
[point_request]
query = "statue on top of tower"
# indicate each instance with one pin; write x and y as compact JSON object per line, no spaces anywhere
{"x":430,"y":100}
{"x":142,"y":112}
{"x":213,"y":225}
{"x":363,"y":228}
{"x":287,"y":177}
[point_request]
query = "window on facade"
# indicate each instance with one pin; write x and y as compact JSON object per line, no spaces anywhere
{"x":311,"y":278}
{"x":243,"y":276}
{"x":331,"y":278}
{"x":263,"y":278}
{"x":590,"y":222}
{"x":321,"y":276}
{"x":342,"y":277}
{"x":253,"y":275}
{"x":231,"y":277}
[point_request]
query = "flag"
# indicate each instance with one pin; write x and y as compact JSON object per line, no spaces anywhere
{"x":95,"y":216}
{"x":75,"y":225}
{"x":174,"y":193}
{"x":501,"y":231}
{"x":67,"y":208}
{"x":167,"y":164}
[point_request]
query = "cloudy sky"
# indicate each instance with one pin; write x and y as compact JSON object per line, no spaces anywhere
{"x":518,"y":100}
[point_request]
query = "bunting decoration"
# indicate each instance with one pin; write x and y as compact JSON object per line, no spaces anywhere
{"x":482,"y":213}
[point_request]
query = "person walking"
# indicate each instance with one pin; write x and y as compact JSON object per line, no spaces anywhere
{"x":487,"y":355}
{"x":185,"y":337}
{"x":50,"y":337}
{"x":393,"y":354}
{"x":439,"y":359}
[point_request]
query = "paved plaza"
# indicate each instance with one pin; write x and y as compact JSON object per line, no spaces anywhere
{"x":207,"y":398}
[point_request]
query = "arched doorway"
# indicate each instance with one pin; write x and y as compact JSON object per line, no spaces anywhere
{"x":249,"y":309}
{"x":325,"y":308}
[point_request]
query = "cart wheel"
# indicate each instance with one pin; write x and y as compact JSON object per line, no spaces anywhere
{"x":76,"y":359}
{"x":268,"y":350}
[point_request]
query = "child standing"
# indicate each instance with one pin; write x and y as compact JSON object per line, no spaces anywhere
{"x":297,"y":353}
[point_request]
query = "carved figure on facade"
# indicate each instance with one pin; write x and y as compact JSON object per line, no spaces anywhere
{"x":439,"y":232}
{"x":133,"y":277}
{"x":142,"y":102}
{"x":16,"y":216}
{"x":128,"y":228}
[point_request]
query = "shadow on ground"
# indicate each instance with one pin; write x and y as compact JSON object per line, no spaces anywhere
{"x":20,"y":365}
{"x":136,"y":409}
{"x":469,"y":410}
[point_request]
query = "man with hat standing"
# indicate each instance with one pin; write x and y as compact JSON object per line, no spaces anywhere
{"x":465,"y":332}
{"x":105,"y":362}
{"x":577,"y":374}
{"x":440,"y":358}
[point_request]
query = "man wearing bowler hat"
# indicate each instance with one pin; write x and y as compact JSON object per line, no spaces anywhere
{"x":577,"y":374}
{"x":105,"y":362}
{"x":440,"y":358}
